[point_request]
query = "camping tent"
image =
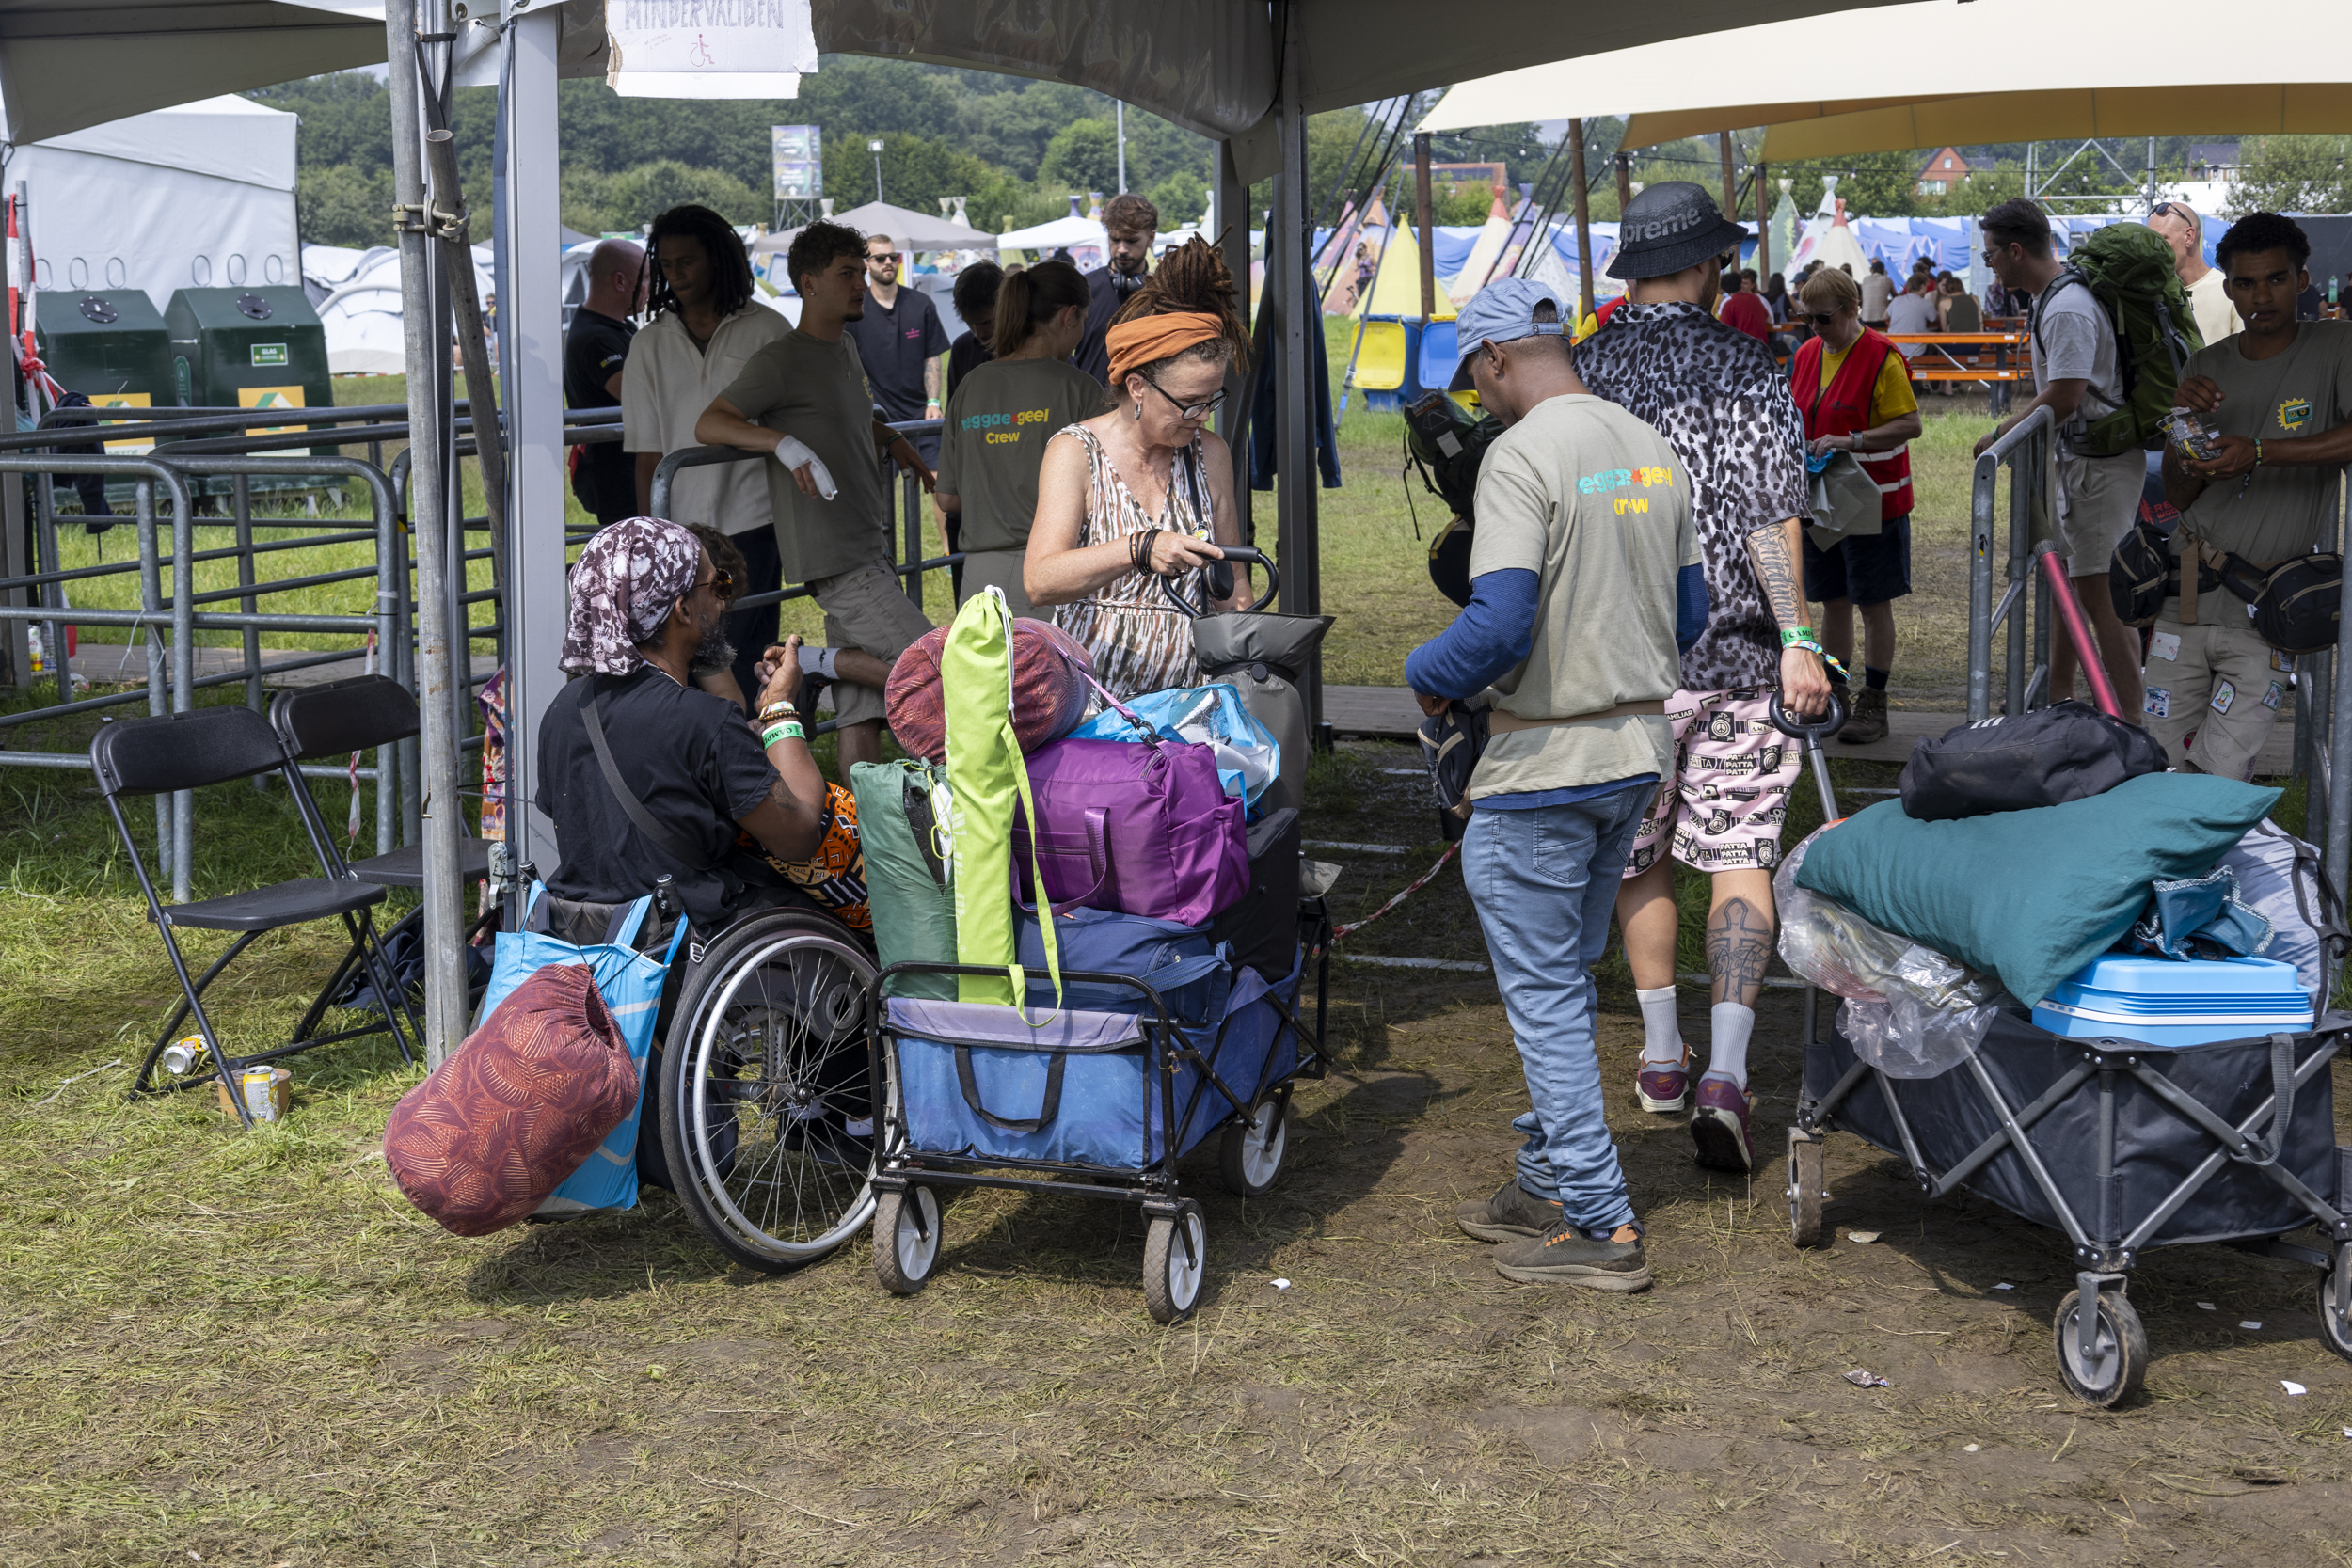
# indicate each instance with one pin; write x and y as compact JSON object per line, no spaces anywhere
{"x":908,"y":229}
{"x":357,"y":294}
{"x":196,"y":196}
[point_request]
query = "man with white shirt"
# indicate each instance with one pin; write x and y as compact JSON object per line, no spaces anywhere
{"x":1878,"y":289}
{"x":706,"y":324}
{"x":2184,"y":230}
{"x":1912,"y":312}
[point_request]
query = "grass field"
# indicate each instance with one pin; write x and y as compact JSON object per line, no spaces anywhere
{"x":223,"y":1347}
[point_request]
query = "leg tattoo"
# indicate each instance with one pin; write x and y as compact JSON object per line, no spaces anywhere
{"x":1739,"y":946}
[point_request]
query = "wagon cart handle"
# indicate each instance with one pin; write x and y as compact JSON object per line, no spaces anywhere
{"x":1247,"y":557}
{"x":1811,"y":733}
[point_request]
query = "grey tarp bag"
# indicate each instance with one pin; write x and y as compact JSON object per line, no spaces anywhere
{"x":1843,"y":501}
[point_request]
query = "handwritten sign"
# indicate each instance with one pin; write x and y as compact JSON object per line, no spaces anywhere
{"x":709,"y":48}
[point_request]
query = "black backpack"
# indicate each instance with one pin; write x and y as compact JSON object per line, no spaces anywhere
{"x":2065,"y":751}
{"x":1447,"y":446}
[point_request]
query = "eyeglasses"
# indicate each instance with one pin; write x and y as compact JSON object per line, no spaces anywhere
{"x":1819,"y":319}
{"x":720,"y":582}
{"x":1994,"y":254}
{"x":882,"y":256}
{"x":1186,"y":410}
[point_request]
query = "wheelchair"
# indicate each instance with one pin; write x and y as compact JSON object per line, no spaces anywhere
{"x":766,"y":1088}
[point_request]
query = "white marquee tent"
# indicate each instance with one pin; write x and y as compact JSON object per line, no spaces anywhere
{"x":198,"y":196}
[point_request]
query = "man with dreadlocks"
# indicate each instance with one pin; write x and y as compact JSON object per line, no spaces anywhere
{"x":705,"y":327}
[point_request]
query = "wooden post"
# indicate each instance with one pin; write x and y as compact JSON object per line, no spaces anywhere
{"x":1427,"y":233}
{"x":1731,"y":178}
{"x":1763,"y":225}
{"x":1584,"y":224}
{"x":1624,"y":182}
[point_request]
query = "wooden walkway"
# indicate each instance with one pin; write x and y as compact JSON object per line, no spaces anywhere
{"x":1388,"y":713}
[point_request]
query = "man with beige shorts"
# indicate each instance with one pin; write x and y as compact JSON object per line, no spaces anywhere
{"x":826,"y":486}
{"x":2076,"y":377}
{"x":2280,"y":394}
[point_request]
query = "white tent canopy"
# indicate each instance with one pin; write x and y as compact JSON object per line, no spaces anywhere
{"x":1710,"y":82}
{"x":196,"y":196}
{"x":908,"y":229}
{"x":1068,"y":233}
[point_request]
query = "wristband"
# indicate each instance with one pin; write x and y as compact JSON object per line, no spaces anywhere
{"x":2258,"y":452}
{"x":1815,"y":649}
{"x":1799,"y":636}
{"x":790,"y":730}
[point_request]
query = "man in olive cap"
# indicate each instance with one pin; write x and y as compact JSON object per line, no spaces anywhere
{"x":1720,"y":402}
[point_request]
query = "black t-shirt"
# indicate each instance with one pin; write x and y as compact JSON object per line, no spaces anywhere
{"x":693,"y":762}
{"x":1106,"y":291}
{"x":594,"y":349}
{"x":894,"y":345}
{"x":967,"y":353}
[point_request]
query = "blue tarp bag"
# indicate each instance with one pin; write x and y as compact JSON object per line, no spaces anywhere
{"x":1248,"y":758}
{"x":631,"y":983}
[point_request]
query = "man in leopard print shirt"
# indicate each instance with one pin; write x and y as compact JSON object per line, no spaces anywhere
{"x":1715,"y":395}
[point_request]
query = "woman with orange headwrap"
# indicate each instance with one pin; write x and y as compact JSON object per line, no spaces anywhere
{"x":1145,"y":491}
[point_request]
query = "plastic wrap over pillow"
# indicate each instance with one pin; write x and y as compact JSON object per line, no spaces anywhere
{"x":1909,"y":1011}
{"x":1050,"y":693}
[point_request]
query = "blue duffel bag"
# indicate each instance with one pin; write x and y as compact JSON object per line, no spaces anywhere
{"x":1191,"y":974}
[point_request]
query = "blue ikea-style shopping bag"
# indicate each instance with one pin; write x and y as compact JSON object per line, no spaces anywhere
{"x":631,"y":984}
{"x":1248,"y":758}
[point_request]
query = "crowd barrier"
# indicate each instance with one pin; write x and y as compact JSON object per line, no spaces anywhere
{"x":206,"y":457}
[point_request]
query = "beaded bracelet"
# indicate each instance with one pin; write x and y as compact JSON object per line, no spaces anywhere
{"x":790,"y":730}
{"x":774,"y":711}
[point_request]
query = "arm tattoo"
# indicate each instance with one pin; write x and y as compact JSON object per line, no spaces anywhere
{"x":1784,"y":589}
{"x":780,"y":795}
{"x":1738,"y":945}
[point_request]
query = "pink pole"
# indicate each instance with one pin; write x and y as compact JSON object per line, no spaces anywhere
{"x":2079,"y":631}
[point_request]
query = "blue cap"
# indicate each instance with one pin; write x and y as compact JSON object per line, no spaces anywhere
{"x":1501,"y":313}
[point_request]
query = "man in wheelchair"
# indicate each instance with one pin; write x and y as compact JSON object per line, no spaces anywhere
{"x":759,"y":1084}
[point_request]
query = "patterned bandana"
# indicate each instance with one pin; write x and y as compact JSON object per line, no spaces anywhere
{"x":627,"y":580}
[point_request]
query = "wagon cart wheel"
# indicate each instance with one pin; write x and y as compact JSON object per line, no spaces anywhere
{"x":1805,"y":1186}
{"x":2335,"y":1305}
{"x":2118,"y":1361}
{"x":1175,"y":1256}
{"x":1249,"y":1152}
{"x":906,"y":1239}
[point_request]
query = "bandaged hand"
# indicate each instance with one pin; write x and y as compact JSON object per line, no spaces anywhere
{"x":809,"y":470}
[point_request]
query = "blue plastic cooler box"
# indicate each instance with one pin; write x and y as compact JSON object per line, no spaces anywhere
{"x":2175,"y":1002}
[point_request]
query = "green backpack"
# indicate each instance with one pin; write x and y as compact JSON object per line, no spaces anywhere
{"x":2128,"y":268}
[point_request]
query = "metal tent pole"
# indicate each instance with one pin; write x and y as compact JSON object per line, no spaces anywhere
{"x":1427,"y":233}
{"x":530,"y":329}
{"x":425,"y":351}
{"x":1292,"y":285}
{"x":1584,"y":223}
{"x":1229,"y":216}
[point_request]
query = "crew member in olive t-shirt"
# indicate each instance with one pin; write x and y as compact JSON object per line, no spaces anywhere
{"x":2280,"y":393}
{"x":1001,"y":416}
{"x":826,"y":485}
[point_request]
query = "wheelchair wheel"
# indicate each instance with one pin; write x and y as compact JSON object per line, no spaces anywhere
{"x":767,"y":1099}
{"x":906,"y":1240}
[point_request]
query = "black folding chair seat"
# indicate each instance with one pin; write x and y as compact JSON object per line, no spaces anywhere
{"x":354,"y":715}
{"x":406,"y":868}
{"x":214,"y":745}
{"x":265,"y":908}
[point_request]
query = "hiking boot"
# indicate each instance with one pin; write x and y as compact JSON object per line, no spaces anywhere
{"x":1565,"y":1256}
{"x":1663,"y":1089}
{"x":1868,"y":721}
{"x":1512,"y":1214}
{"x":1720,"y":1126}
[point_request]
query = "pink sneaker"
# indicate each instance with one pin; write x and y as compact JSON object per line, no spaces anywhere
{"x":1664,"y":1088}
{"x":1720,"y":1125}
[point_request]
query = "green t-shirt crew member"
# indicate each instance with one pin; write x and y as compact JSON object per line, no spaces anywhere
{"x":2280,"y":393}
{"x":1001,"y":415}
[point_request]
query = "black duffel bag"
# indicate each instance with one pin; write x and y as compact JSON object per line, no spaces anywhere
{"x":2065,"y":751}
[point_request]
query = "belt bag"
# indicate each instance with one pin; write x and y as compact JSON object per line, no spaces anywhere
{"x":2293,"y":603}
{"x":1142,"y":828}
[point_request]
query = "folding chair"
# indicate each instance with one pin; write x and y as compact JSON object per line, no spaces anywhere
{"x":354,"y":715}
{"x":214,"y":745}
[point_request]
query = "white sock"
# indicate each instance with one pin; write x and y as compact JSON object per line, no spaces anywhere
{"x":817,"y":661}
{"x":1728,"y":1056}
{"x":1661,"y":1032}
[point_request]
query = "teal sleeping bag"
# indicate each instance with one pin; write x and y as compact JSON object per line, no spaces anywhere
{"x":2032,"y":896}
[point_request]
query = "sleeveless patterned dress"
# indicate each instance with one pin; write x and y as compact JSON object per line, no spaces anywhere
{"x":1140,"y":642}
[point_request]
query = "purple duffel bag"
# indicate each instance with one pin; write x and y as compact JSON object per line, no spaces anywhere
{"x":1141,"y":828}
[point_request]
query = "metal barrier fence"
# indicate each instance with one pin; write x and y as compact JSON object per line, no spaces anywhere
{"x":197,"y":448}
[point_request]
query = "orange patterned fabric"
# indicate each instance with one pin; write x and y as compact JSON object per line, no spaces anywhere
{"x":497,"y":1127}
{"x":1148,"y":339}
{"x":834,"y":876}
